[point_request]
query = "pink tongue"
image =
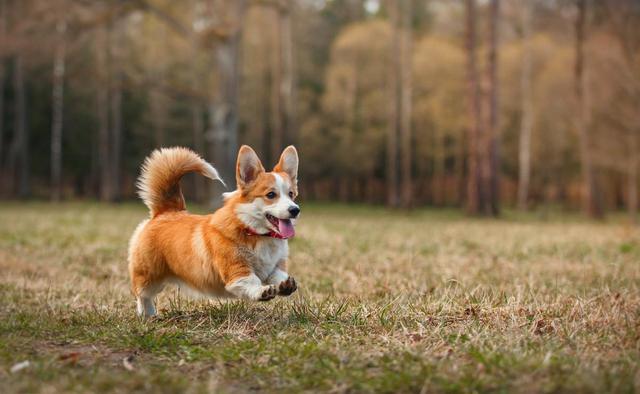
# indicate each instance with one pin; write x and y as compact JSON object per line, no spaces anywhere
{"x":285,"y":228}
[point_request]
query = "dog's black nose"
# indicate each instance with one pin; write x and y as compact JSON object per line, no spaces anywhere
{"x":294,"y":211}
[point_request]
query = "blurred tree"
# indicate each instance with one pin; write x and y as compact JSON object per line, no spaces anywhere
{"x":282,"y":79}
{"x":403,"y":28}
{"x":104,"y":140}
{"x":197,"y":104}
{"x":476,"y":195}
{"x":592,"y":201}
{"x":526,"y":123}
{"x":227,"y":20}
{"x":115,"y":125}
{"x":492,"y":164}
{"x":399,"y":146}
{"x":58,"y":108}
{"x":622,"y":61}
{"x":3,"y":38}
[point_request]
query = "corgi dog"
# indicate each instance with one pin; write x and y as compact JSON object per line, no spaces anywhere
{"x":239,"y":251}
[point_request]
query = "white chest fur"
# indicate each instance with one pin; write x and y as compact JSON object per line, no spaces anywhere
{"x":267,"y":253}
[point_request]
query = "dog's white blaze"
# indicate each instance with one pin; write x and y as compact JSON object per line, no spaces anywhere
{"x":248,"y":288}
{"x":281,"y":208}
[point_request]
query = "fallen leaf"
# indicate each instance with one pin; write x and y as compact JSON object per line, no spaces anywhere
{"x":20,"y":366}
{"x":72,"y":357}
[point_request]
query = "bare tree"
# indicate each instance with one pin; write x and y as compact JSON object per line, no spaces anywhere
{"x":592,"y":202}
{"x":405,"y":31}
{"x":104,"y":151}
{"x":282,"y":79}
{"x":223,"y":109}
{"x":115,"y":102}
{"x":57,"y":105}
{"x":3,"y":35}
{"x":632,"y":176}
{"x":287,"y":87}
{"x":492,"y":130}
{"x":276,"y":78}
{"x":624,"y":26}
{"x":399,"y":148}
{"x":196,"y":105}
{"x":526,"y":122}
{"x":393,"y":198}
{"x":474,"y":195}
{"x":21,"y":131}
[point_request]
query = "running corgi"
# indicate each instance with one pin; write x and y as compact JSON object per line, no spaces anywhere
{"x":239,"y":251}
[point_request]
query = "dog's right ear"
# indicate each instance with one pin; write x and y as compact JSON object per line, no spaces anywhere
{"x":248,"y":167}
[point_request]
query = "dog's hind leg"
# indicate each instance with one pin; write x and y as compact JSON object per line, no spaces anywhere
{"x":145,"y":300}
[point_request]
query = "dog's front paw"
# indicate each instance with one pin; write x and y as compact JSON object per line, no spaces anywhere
{"x":287,"y":287}
{"x":268,"y":293}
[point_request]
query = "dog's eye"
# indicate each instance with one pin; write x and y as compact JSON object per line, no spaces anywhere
{"x":291,"y":194}
{"x":271,"y":195}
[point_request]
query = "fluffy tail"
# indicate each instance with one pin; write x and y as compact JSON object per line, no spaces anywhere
{"x":159,"y":182}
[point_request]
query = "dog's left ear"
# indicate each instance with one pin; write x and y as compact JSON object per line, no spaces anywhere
{"x":289,"y":163}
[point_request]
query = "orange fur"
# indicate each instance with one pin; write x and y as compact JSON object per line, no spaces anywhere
{"x":205,"y":252}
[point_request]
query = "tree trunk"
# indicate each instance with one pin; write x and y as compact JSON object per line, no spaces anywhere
{"x":461,"y":155}
{"x":277,"y":124}
{"x":405,"y":102}
{"x":393,"y":198}
{"x":591,"y":198}
{"x":282,"y":82}
{"x":288,"y":87}
{"x":526,"y":124}
{"x":197,"y":110}
{"x":223,"y":134}
{"x":3,"y":31}
{"x":475,"y":128}
{"x":116,"y":134}
{"x":57,"y":105}
{"x":116,"y":122}
{"x":197,"y":119}
{"x":21,"y":130}
{"x":634,"y":164}
{"x":493,"y":153}
{"x":439,"y":167}
{"x":104,"y":152}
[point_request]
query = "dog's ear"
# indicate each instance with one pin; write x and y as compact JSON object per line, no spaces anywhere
{"x":288,"y":163}
{"x":248,"y":167}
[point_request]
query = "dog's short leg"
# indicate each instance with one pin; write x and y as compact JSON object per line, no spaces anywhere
{"x":146,"y":307}
{"x":251,"y":288}
{"x":144,"y":301}
{"x":286,"y":284}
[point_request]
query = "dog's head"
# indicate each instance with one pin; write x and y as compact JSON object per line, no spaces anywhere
{"x":264,"y":201}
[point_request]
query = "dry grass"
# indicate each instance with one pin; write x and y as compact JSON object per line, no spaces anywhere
{"x":388,"y":302}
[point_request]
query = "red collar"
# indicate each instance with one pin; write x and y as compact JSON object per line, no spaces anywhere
{"x":272,"y":234}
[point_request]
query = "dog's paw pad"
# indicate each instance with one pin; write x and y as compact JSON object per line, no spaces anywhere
{"x":268,"y":293}
{"x":287,"y":287}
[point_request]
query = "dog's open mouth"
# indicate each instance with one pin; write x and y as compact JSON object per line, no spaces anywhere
{"x":284,"y":227}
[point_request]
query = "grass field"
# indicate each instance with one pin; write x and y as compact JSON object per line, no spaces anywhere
{"x":387,"y":302}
